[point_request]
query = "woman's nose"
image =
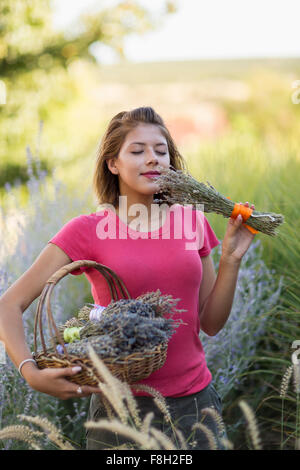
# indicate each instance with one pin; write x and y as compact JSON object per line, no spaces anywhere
{"x":151,"y":156}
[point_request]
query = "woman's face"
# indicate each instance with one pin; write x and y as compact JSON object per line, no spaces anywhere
{"x":145,"y":149}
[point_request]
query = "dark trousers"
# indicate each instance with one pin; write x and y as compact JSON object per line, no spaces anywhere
{"x":184,"y":411}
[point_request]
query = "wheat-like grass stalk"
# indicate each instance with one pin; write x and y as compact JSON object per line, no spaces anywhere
{"x":159,"y":399}
{"x":144,"y":440}
{"x":226,"y":443}
{"x":208,"y":433}
{"x":145,"y":427}
{"x":116,"y":403}
{"x":216,"y":417}
{"x":131,"y":404}
{"x":107,"y":406}
{"x":166,"y":443}
{"x":51,"y":430}
{"x":252,"y":425}
{"x":183,"y":444}
{"x":176,"y":187}
{"x":285,"y":381}
{"x":161,"y":404}
{"x":112,"y":388}
{"x":21,"y":433}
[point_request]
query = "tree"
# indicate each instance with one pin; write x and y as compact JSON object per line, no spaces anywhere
{"x":34,"y":62}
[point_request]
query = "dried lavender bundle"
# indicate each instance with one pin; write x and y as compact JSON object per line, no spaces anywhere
{"x":178,"y":187}
{"x":162,"y":304}
{"x":128,"y":326}
{"x":125,"y":334}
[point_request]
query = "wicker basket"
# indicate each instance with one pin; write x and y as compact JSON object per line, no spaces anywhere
{"x":130,"y":369}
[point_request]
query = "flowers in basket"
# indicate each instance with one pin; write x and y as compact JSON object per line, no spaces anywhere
{"x":122,"y":328}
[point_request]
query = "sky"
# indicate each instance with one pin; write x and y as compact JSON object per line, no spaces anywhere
{"x":204,"y":29}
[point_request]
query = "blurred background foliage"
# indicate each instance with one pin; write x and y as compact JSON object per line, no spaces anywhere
{"x":47,"y":73}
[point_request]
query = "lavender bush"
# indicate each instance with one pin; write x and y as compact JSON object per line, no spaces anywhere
{"x":25,"y":233}
{"x":230,"y":352}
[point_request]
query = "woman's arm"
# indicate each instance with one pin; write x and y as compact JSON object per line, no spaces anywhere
{"x":216,"y":294}
{"x":13,"y":303}
{"x":18,"y":298}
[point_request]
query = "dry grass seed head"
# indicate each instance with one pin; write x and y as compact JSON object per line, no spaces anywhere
{"x":51,"y":430}
{"x":183,"y":443}
{"x":226,"y":443}
{"x":146,"y":422}
{"x":208,"y":433}
{"x":108,"y":407}
{"x":113,"y":389}
{"x":285,"y":381}
{"x":216,"y":417}
{"x":162,"y":439}
{"x":116,"y":404}
{"x":21,"y":433}
{"x":252,"y":425}
{"x":132,"y":405}
{"x":159,"y":400}
{"x":115,"y":426}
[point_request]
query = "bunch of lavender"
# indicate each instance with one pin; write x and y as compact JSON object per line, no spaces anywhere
{"x":176,"y":187}
{"x":128,"y":326}
{"x":152,"y":304}
{"x":161,"y":304}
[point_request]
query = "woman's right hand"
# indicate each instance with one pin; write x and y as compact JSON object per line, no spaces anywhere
{"x":54,"y":382}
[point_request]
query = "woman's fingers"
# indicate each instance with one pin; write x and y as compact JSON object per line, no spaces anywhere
{"x":74,"y":389}
{"x":247,"y":205}
{"x":85,"y":390}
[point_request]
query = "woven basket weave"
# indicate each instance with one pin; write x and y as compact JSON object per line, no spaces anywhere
{"x":130,"y":369}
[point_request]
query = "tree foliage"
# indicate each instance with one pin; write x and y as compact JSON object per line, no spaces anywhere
{"x":35,"y":60}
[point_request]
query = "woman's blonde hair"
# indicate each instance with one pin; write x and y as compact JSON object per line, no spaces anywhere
{"x":105,"y":183}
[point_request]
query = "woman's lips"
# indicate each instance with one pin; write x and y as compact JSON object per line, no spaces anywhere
{"x":151,"y":175}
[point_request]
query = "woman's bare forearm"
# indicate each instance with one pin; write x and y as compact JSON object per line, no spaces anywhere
{"x":219,"y":303}
{"x":12,"y":334}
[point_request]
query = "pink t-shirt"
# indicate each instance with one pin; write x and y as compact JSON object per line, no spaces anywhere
{"x":168,"y":259}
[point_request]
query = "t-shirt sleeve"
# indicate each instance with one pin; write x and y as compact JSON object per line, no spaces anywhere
{"x":74,"y":239}
{"x":210,"y":239}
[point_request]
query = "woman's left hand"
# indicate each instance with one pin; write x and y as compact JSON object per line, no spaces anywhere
{"x":237,"y":239}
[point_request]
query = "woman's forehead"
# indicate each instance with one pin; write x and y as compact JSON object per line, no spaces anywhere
{"x":143,"y":134}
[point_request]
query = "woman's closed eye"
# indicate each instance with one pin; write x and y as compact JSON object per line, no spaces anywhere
{"x":160,"y":153}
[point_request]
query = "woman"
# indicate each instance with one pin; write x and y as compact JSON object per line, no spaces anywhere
{"x":147,"y":257}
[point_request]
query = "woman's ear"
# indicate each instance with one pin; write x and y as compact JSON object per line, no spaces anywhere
{"x":111,"y":164}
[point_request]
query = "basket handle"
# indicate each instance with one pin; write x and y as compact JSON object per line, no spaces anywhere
{"x":109,"y":275}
